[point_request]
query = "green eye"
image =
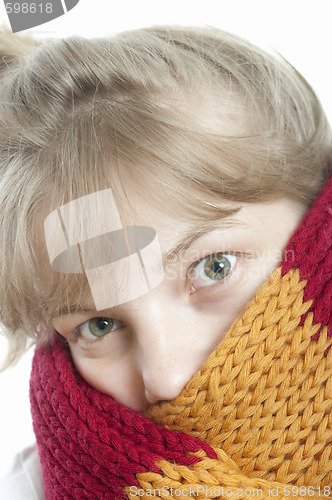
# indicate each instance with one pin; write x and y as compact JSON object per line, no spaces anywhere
{"x":100,"y":326}
{"x":212,"y":269}
{"x":217,"y":267}
{"x":96,"y":328}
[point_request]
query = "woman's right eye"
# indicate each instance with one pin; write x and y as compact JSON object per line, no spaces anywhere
{"x":97,"y":327}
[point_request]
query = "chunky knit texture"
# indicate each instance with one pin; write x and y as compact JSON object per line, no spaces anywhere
{"x":255,"y":421}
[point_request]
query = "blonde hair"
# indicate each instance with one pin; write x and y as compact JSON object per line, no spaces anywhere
{"x":191,"y":117}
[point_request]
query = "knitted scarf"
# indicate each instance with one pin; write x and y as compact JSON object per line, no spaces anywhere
{"x":255,"y":421}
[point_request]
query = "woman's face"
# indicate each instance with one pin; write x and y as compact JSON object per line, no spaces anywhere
{"x":147,"y":349}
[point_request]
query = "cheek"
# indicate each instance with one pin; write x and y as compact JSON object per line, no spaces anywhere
{"x":93,"y":370}
{"x":120,"y":379}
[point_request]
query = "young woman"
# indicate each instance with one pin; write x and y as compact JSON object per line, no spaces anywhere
{"x":150,"y":184}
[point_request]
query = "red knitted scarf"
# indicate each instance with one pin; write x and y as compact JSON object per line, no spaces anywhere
{"x":92,"y":447}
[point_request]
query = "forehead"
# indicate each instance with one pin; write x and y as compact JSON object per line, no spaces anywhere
{"x":127,"y":243}
{"x":118,"y":245}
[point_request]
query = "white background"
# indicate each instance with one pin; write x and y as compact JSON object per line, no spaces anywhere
{"x":300,"y":30}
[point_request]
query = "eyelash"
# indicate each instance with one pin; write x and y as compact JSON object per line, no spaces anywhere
{"x":232,"y":259}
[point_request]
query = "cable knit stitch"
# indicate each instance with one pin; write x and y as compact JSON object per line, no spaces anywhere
{"x":255,"y":421}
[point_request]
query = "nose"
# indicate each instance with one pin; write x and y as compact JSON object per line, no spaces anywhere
{"x":164,"y":383}
{"x":168,"y":351}
{"x":150,"y":397}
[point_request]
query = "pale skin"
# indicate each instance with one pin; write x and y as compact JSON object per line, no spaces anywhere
{"x":147,"y":349}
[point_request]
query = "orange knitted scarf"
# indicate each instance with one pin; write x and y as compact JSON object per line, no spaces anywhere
{"x":263,"y":399}
{"x":255,"y":421}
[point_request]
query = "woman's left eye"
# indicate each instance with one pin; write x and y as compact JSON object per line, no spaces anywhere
{"x":210,"y":270}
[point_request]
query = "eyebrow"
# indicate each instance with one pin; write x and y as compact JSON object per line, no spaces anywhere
{"x":195,"y":234}
{"x":186,"y":243}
